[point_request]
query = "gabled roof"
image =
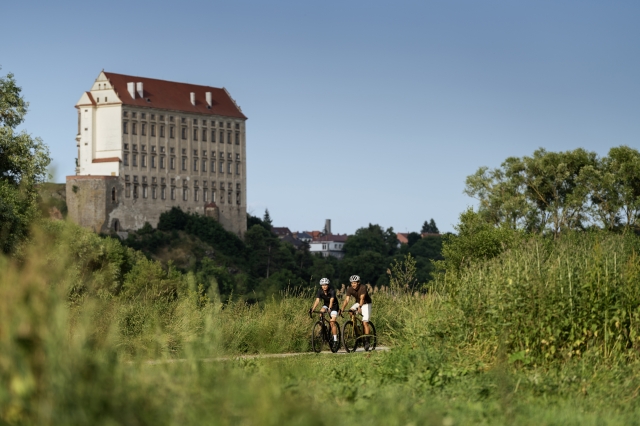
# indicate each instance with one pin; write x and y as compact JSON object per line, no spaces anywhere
{"x":403,"y":238}
{"x":86,"y":99}
{"x":171,"y":95}
{"x":331,"y":238}
{"x":280,"y":231}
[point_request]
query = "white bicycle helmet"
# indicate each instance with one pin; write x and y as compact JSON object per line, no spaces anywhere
{"x":354,"y":278}
{"x":324,"y":281}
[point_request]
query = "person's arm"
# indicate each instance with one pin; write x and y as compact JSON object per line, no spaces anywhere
{"x":315,"y":303}
{"x":346,"y":300}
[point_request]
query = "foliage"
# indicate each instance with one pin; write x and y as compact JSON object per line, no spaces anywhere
{"x":476,"y":239}
{"x":23,"y":165}
{"x":430,"y":227}
{"x":558,"y":191}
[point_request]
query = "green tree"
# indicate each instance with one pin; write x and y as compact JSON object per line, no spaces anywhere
{"x":429,"y":227}
{"x":23,"y":166}
{"x":373,"y":238}
{"x":266,"y":220}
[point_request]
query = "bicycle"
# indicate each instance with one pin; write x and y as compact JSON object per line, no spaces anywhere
{"x":321,"y":333}
{"x":353,"y":334}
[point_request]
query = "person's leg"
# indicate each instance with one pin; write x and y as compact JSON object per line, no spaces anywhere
{"x":366,"y":312}
{"x":334,"y":327}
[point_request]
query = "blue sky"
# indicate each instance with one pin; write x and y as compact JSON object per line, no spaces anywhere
{"x":359,"y":111}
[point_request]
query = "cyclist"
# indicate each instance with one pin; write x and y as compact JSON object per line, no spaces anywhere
{"x":363,"y":302}
{"x":329,"y":304}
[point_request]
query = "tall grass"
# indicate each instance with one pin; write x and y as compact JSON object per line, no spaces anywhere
{"x":577,"y":296}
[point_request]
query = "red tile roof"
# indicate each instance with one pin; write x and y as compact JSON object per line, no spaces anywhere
{"x":403,"y":237}
{"x":175,"y":96}
{"x":331,"y":238}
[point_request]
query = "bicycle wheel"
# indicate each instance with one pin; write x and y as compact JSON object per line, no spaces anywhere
{"x":349,"y":339}
{"x":372,"y":337}
{"x":317,"y":336}
{"x":334,"y":344}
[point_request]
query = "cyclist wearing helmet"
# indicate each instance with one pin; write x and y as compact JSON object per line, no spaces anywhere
{"x":329,"y":304}
{"x":363,"y":300}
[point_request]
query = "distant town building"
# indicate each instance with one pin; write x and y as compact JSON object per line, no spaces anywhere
{"x":281,"y":232}
{"x":303,"y":236}
{"x":328,"y":245}
{"x":147,"y":145}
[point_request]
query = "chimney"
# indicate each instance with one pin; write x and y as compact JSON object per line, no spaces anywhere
{"x":209,"y":101}
{"x":193,"y":98}
{"x":132,"y":89}
{"x":139,"y":88}
{"x":327,"y":227}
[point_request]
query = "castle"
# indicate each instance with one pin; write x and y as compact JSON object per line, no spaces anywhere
{"x":146,"y":145}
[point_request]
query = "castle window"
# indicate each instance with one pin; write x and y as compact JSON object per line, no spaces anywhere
{"x":196,"y":194}
{"x":204,"y":135}
{"x":172,"y":150}
{"x":113,"y":195}
{"x":162,"y":118}
{"x":204,"y":165}
{"x":143,"y":129}
{"x":183,"y":120}
{"x":172,"y":132}
{"x":125,"y":113}
{"x":229,"y":156}
{"x":153,"y":116}
{"x":125,"y":127}
{"x":228,"y":137}
{"x":229,"y":168}
{"x":163,"y":193}
{"x":204,"y":153}
{"x":173,"y":181}
{"x":184,"y":133}
{"x":237,"y":138}
{"x":126,"y":178}
{"x":154,"y":192}
{"x":229,"y":197}
{"x":185,"y":194}
{"x":143,"y":160}
{"x":135,"y":147}
{"x":171,"y":118}
{"x":237,"y":168}
{"x":195,"y":134}
{"x":173,"y":193}
{"x":162,"y":162}
{"x":213,"y":166}
{"x":162,"y":131}
{"x":195,"y":152}
{"x":222,"y":185}
{"x":173,"y":163}
{"x":184,"y":163}
{"x":237,"y":157}
{"x":205,"y":195}
{"x":126,"y":146}
{"x":126,"y":159}
{"x":238,"y":198}
{"x":220,"y":124}
{"x":153,"y":148}
{"x":144,"y":191}
{"x":135,"y":160}
{"x":162,"y":149}
{"x":195,"y":164}
{"x":135,"y":179}
{"x":221,"y":136}
{"x":184,"y":151}
{"x":213,"y":123}
{"x":213,"y":136}
{"x":143,"y":147}
{"x":135,"y":191}
{"x":195,"y":121}
{"x":237,"y":126}
{"x":105,"y":99}
{"x":153,"y":130}
{"x":228,"y":124}
{"x":127,"y":191}
{"x":153,"y":161}
{"x":222,"y":167}
{"x":134,"y":128}
{"x":134,"y":114}
{"x":213,"y":195}
{"x":98,"y":100}
{"x":204,"y":122}
{"x":143,"y":115}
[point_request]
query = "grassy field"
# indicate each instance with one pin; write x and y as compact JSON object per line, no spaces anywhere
{"x":80,"y":316}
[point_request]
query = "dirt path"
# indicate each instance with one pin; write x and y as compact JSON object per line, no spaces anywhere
{"x":257,"y":356}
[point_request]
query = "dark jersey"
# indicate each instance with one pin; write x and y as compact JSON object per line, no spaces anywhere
{"x":326,"y":297}
{"x":362,"y":289}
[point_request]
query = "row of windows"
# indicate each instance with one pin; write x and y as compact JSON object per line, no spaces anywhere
{"x":197,"y":165}
{"x":184,"y":152}
{"x":197,"y":192}
{"x":183,"y":120}
{"x":163,"y":182}
{"x":172,"y":133}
